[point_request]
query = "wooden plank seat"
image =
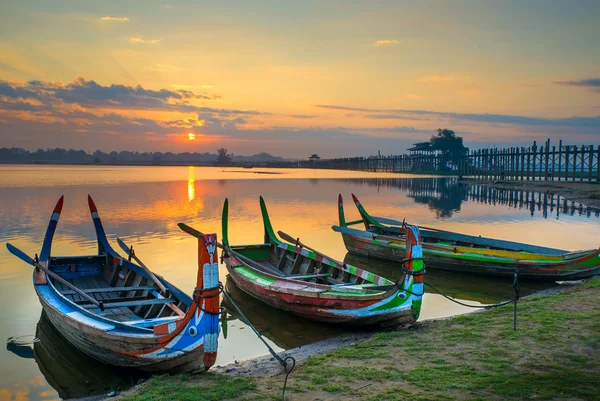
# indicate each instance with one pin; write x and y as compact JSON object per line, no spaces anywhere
{"x":308,"y":276}
{"x":152,"y":322}
{"x":109,"y":289}
{"x":126,"y":302}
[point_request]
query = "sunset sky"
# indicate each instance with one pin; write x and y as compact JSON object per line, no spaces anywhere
{"x":294,"y":78}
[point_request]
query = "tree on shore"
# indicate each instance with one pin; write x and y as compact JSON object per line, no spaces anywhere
{"x":450,"y":145}
{"x":223,"y":157}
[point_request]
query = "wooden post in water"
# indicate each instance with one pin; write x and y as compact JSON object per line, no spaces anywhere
{"x":553,"y":161}
{"x":547,"y":159}
{"x":581,"y":168}
{"x":590,"y":163}
{"x":567,"y":150}
{"x":559,"y":159}
{"x":598,"y":164}
{"x":534,"y":153}
{"x":528,"y":163}
{"x":574,"y":161}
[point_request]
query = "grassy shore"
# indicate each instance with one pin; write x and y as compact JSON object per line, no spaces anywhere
{"x":554,"y":354}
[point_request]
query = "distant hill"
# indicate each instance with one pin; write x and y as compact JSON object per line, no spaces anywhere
{"x":260,"y":157}
{"x":71,"y":156}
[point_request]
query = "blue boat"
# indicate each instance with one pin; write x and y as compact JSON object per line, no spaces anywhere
{"x":122,"y":314}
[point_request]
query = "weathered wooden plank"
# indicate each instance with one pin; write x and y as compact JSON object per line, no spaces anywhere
{"x":109,"y":289}
{"x":126,"y":303}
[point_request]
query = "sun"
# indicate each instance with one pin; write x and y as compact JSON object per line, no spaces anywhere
{"x":191,"y":136}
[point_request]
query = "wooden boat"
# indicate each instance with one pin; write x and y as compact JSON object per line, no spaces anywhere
{"x":386,"y":239}
{"x":120,"y":313}
{"x":298,"y":279}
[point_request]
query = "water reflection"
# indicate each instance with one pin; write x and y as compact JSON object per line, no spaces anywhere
{"x":445,"y":195}
{"x":191,"y":184}
{"x":144,"y":205}
{"x":284,"y":329}
{"x":72,"y":373}
{"x":464,"y":286}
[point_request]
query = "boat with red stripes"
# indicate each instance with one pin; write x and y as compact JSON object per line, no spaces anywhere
{"x":298,"y":279}
{"x":122,"y":314}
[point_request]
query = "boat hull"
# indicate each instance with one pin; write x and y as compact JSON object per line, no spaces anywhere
{"x":581,"y":267}
{"x":109,"y":346}
{"x":335,"y":311}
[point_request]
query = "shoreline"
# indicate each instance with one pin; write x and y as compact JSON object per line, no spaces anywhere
{"x":465,"y":356}
{"x":587,"y":193}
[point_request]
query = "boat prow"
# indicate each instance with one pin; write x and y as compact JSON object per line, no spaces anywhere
{"x":385,"y":238}
{"x":303,"y":281}
{"x":115,"y":311}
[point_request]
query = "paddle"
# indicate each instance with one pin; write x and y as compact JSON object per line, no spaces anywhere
{"x":196,"y":233}
{"x":390,"y":221}
{"x":393,"y":222}
{"x":132,"y":255}
{"x":290,"y":239}
{"x":353,"y":231}
{"x":27,"y":259}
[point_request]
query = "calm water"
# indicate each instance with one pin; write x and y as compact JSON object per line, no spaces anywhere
{"x":144,"y":204}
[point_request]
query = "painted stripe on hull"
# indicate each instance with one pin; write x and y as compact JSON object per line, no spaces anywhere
{"x":547,"y":271}
{"x":313,"y":308}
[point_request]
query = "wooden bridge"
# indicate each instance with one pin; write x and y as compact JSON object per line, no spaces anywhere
{"x":545,"y":163}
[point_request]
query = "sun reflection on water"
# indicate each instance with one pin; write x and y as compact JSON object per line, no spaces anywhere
{"x":191,"y":184}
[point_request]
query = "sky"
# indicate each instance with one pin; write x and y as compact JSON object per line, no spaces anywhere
{"x":291,"y":78}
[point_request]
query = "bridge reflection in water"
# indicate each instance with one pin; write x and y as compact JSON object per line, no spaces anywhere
{"x":445,"y":195}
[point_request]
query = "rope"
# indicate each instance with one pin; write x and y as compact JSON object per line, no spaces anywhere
{"x":271,"y":350}
{"x":467,"y":305}
{"x":516,"y":288}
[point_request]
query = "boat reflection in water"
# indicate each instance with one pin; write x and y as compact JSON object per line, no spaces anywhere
{"x":462,"y":286}
{"x":284,"y":329}
{"x":72,"y":373}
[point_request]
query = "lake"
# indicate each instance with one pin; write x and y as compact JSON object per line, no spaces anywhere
{"x":143,"y":205}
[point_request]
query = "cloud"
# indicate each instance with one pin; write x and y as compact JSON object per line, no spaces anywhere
{"x":572,"y":122}
{"x":115,"y":19}
{"x":90,"y":94}
{"x":137,"y":40}
{"x":592,"y":83}
{"x":386,"y":42}
{"x":413,"y":96}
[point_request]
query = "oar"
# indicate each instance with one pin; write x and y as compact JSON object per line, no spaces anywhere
{"x":353,"y":231}
{"x":196,"y":233}
{"x":290,"y":239}
{"x":393,"y":222}
{"x":130,"y":252}
{"x":27,"y":259}
{"x":389,"y":221}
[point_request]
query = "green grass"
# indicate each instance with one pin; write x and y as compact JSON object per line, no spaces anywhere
{"x":552,"y":355}
{"x":189,"y":387}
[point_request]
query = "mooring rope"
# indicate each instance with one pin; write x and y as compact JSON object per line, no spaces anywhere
{"x":515,"y":285}
{"x":282,"y":361}
{"x":471,"y":306}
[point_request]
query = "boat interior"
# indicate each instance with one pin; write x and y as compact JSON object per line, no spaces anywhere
{"x":447,"y":239}
{"x":288,"y":261}
{"x":282,"y":262}
{"x":127,"y":296}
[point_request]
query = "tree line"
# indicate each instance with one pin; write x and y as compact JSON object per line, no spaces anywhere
{"x":60,"y":155}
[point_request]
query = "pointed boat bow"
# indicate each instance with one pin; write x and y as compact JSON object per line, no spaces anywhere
{"x":200,"y":325}
{"x":367,"y":219}
{"x":414,"y":268}
{"x":47,"y":245}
